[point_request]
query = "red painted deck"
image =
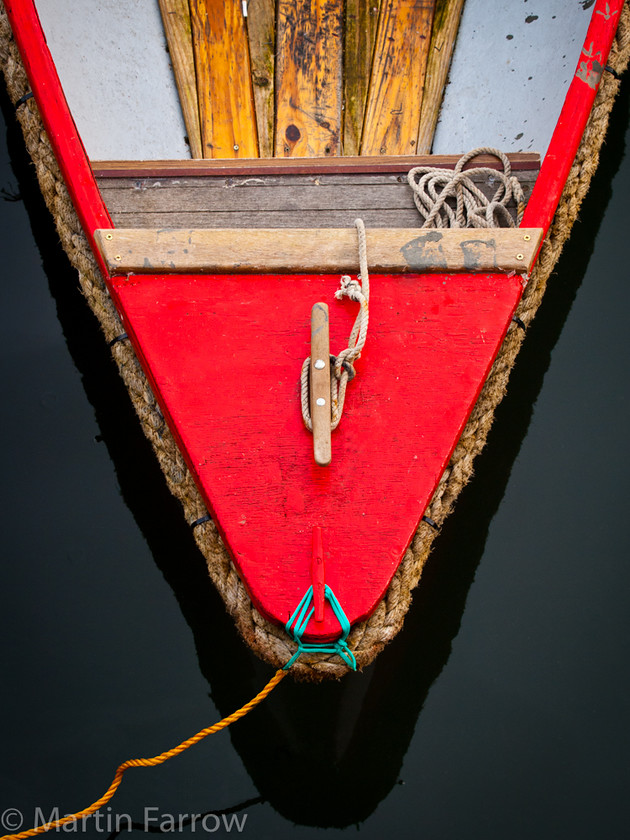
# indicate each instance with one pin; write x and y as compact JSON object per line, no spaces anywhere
{"x":225,"y":355}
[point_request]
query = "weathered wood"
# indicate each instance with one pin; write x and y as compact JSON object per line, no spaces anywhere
{"x":382,"y":200}
{"x":176,"y":20}
{"x":226,"y":102}
{"x":267,"y":198}
{"x":386,"y":163}
{"x":261,"y":33}
{"x":309,"y":45}
{"x":282,"y":181}
{"x":392,"y":113}
{"x":443,"y":36}
{"x":319,"y":384}
{"x":283,"y":219}
{"x":360,"y":34}
{"x":142,"y":251}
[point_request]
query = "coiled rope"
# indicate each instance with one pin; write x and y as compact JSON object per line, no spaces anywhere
{"x":152,"y":762}
{"x":436,"y":190}
{"x":343,"y":363}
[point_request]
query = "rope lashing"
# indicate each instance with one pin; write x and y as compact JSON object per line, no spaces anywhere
{"x":296,"y":627}
{"x":343,"y":364}
{"x":436,"y":190}
{"x":152,"y":762}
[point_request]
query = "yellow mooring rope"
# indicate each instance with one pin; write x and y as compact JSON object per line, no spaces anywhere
{"x":151,"y":762}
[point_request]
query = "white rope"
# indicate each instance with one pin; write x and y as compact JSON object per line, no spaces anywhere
{"x":343,"y":368}
{"x":432,"y":189}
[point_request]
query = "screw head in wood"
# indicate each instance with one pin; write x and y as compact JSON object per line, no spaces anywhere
{"x":320,"y":364}
{"x":527,"y":237}
{"x":519,"y":256}
{"x":320,"y":401}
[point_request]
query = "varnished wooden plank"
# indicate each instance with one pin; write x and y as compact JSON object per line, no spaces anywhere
{"x":386,"y":163}
{"x":309,"y":45}
{"x":360,"y":34}
{"x":393,"y":109}
{"x":226,"y":102}
{"x":319,"y":384}
{"x":443,"y":36}
{"x":261,"y":32}
{"x":294,"y":250}
{"x":176,"y":20}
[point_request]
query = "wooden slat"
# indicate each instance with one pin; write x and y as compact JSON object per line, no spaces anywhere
{"x":443,"y":36}
{"x":360,"y":34}
{"x":226,"y":103}
{"x":393,"y":110}
{"x":283,"y":196}
{"x":276,"y":219}
{"x":395,"y":163}
{"x":141,"y":251}
{"x":309,"y":45}
{"x":176,"y":20}
{"x":261,"y":32}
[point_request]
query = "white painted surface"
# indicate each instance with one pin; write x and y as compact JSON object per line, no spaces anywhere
{"x":115,"y":70}
{"x":513,"y":63}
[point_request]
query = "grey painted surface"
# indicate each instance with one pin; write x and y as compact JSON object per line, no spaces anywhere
{"x":513,"y":63}
{"x":115,"y":70}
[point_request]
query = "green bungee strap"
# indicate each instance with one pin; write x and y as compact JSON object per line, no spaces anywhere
{"x":296,"y":627}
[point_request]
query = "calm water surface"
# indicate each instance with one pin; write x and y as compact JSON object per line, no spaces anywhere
{"x":499,"y":712}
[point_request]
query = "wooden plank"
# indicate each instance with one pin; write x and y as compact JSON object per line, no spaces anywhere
{"x":308,"y":219}
{"x":142,"y":251}
{"x":393,"y":109}
{"x":319,"y":384}
{"x":226,"y":102}
{"x":309,"y":63}
{"x":386,"y":163}
{"x":261,"y":33}
{"x":176,"y":20}
{"x":443,"y":36}
{"x":219,"y":182}
{"x":270,"y":198}
{"x":360,"y":34}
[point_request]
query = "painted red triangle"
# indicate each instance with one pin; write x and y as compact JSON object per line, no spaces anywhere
{"x":224,"y":355}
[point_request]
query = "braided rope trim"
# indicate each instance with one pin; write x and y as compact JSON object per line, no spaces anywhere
{"x":369,"y":637}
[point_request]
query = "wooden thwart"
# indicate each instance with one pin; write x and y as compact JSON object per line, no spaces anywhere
{"x":319,"y":250}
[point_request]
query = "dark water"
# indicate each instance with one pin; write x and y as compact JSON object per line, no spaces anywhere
{"x":499,"y":712}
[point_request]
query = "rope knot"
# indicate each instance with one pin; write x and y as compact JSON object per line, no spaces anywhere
{"x":350,"y":288}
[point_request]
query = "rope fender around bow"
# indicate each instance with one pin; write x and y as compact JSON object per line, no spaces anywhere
{"x":343,"y":363}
